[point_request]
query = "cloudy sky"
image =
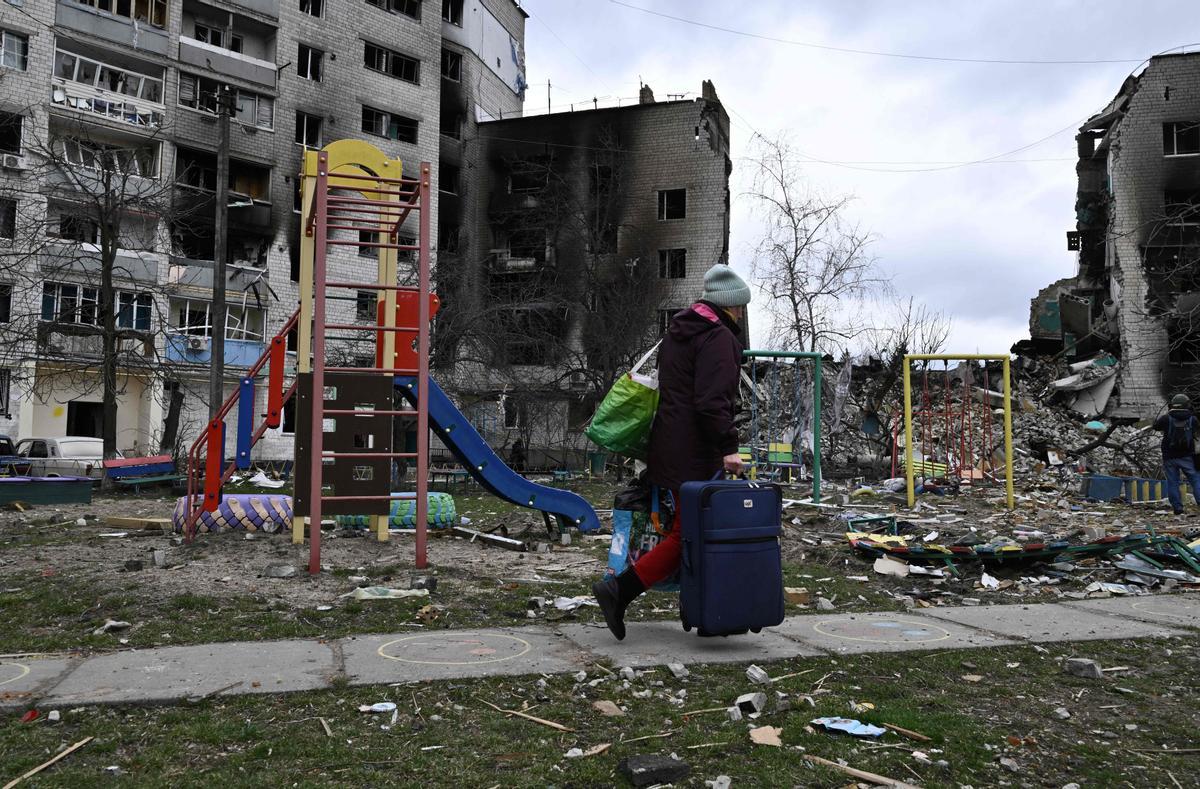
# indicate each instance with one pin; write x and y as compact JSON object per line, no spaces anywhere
{"x":976,"y":241}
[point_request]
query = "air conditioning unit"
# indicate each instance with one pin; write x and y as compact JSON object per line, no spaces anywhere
{"x":578,"y":380}
{"x":12,"y":162}
{"x":197,"y":343}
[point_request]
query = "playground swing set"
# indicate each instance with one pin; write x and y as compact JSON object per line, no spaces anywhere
{"x":355,"y":198}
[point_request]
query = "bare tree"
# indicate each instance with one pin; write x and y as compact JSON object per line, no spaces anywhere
{"x":812,"y":264}
{"x":92,"y":209}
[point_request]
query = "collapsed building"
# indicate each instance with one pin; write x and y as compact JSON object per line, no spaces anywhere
{"x":1128,"y":319}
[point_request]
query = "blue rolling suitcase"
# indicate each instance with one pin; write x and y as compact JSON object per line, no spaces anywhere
{"x":731,"y":578}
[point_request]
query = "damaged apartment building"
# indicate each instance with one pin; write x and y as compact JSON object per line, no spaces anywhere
{"x":128,"y":89}
{"x":1129,"y":320}
{"x":581,"y":233}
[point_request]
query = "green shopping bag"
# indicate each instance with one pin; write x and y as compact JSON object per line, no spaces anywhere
{"x":622,"y":422}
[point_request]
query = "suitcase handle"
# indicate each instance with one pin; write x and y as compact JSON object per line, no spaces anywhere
{"x":687,"y":556}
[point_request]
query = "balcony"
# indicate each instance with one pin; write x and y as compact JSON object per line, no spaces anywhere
{"x":197,"y":274}
{"x":119,"y":29}
{"x":191,"y":349}
{"x":227,"y":62}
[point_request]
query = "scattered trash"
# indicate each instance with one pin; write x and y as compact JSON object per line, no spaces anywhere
{"x":30,"y":716}
{"x":383,"y":593}
{"x":110,"y":625}
{"x":734,"y":713}
{"x":280,"y":571}
{"x":849,"y":726}
{"x":263,"y":481}
{"x":54,"y":716}
{"x":972,"y":678}
{"x":886,"y":565}
{"x":571,"y":603}
{"x":720,"y":782}
{"x":427,"y":614}
{"x":859,"y":707}
{"x":989,"y":582}
{"x":767,"y":735}
{"x":381,"y":706}
{"x":653,"y":769}
{"x":627,"y":673}
{"x":1083,"y":667}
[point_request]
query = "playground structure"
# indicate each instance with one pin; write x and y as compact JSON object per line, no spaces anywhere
{"x":775,"y":457}
{"x":955,"y":453}
{"x":354,"y":197}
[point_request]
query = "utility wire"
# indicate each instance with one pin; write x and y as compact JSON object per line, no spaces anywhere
{"x":874,"y":53}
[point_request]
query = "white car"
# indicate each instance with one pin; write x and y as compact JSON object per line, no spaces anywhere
{"x":63,"y":456}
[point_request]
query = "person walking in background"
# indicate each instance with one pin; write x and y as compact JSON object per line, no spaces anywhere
{"x":693,"y":436}
{"x":1179,"y":428}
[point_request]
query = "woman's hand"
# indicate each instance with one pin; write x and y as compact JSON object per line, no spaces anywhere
{"x":733,"y":464}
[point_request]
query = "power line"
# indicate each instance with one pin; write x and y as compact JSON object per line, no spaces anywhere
{"x":874,"y":53}
{"x":574,"y":54}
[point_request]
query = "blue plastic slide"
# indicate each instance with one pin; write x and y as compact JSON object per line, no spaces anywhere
{"x":485,"y":466}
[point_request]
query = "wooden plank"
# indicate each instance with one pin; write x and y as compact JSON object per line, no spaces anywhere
{"x":491,"y":539}
{"x":138,"y":523}
{"x":61,"y":755}
{"x":878,"y":780}
{"x":135,"y":472}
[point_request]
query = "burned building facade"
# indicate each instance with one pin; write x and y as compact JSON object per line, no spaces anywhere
{"x":1134,"y":302}
{"x":586,"y":231}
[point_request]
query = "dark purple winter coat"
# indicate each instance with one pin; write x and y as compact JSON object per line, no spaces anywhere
{"x":699,"y":365}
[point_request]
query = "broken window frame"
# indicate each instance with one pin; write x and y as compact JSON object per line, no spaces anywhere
{"x":405,"y":8}
{"x":1173,"y":131}
{"x":152,"y":12}
{"x":6,"y":290}
{"x":451,"y":65}
{"x":389,"y":125}
{"x":12,"y":125}
{"x":243,"y":322}
{"x":391,"y":63}
{"x":366,"y":306}
{"x":70,"y":302}
{"x":666,"y":209}
{"x":216,"y":37}
{"x":672,"y":263}
{"x":313,"y":8}
{"x":448,"y":179}
{"x":452,"y":12}
{"x":309,"y":61}
{"x":142,"y":161}
{"x":134,"y":310}
{"x":199,"y":94}
{"x":14,"y":50}
{"x":305,"y":137}
{"x":8,"y":219}
{"x":76,"y":228}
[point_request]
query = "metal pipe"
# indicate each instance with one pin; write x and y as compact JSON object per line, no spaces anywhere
{"x":422,"y":508}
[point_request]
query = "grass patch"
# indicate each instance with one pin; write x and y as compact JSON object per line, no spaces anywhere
{"x":278,"y":740}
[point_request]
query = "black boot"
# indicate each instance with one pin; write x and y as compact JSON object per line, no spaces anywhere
{"x":614,"y":595}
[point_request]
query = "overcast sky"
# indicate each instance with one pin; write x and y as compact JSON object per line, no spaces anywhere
{"x":976,"y":241}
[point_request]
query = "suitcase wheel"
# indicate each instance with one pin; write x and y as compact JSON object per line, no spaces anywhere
{"x":756,"y":630}
{"x":687,"y":628}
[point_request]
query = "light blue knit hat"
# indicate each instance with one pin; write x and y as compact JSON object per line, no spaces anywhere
{"x":724,"y":288}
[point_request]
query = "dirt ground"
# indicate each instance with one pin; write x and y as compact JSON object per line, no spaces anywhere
{"x":61,"y":578}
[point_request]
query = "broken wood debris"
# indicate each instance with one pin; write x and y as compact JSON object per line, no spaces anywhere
{"x":58,"y":757}
{"x":528,"y":717}
{"x":491,"y":539}
{"x":909,"y":733}
{"x":878,"y":780}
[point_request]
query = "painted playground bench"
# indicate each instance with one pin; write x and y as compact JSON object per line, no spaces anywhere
{"x":136,"y":472}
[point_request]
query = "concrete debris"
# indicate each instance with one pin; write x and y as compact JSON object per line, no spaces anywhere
{"x":758,"y":675}
{"x":825,"y":605}
{"x":720,"y":782}
{"x":1062,"y":713}
{"x":607,"y":708}
{"x":750,"y":703}
{"x":627,"y":673}
{"x":1009,"y":764}
{"x":767,"y":735}
{"x":678,"y":670}
{"x":1083,"y":667}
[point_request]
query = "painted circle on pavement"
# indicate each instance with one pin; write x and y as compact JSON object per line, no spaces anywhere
{"x":1157,"y":608}
{"x":882,"y":631}
{"x":455,"y":649}
{"x":11,"y":672}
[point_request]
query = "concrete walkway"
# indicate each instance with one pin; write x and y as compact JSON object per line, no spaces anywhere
{"x":171,"y":674}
